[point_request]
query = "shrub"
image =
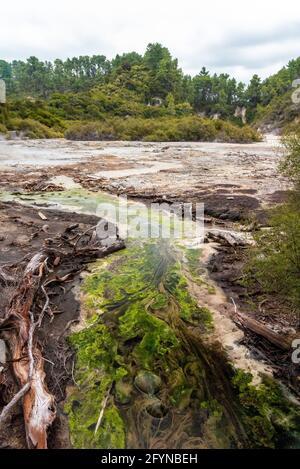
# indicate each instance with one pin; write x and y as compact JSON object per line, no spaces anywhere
{"x":90,"y":131}
{"x":168,"y":129}
{"x":278,"y":114}
{"x":3,"y":129}
{"x":29,"y":128}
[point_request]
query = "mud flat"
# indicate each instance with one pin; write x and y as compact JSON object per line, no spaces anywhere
{"x":143,"y":350}
{"x":232,"y":180}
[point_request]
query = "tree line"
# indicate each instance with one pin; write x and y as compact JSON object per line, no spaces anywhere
{"x":152,"y":78}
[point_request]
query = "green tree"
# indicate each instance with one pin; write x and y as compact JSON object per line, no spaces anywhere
{"x":170,"y":104}
{"x":165,"y":76}
{"x":254,"y":92}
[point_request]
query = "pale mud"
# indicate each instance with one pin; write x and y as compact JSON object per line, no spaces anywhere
{"x":225,"y":332}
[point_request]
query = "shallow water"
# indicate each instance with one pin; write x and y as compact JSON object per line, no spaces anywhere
{"x":141,"y":324}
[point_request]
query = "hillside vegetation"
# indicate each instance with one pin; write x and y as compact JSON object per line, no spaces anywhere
{"x":278,"y":103}
{"x":140,"y":97}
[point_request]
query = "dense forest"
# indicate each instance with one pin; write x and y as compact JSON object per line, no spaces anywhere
{"x":91,"y":97}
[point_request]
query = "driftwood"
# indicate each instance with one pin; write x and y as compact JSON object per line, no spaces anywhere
{"x":281,"y":342}
{"x":28,"y":364}
{"x":229,"y":238}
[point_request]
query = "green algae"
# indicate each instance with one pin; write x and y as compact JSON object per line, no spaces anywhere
{"x":133,"y":293}
{"x":138,"y":277}
{"x":272,"y":420}
{"x":144,"y":307}
{"x":98,"y":367}
{"x":83,"y":420}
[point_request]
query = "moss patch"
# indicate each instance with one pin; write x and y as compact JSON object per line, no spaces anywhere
{"x":271,"y":419}
{"x":98,"y":367}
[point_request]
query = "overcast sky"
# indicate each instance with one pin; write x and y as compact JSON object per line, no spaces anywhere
{"x":240,"y":38}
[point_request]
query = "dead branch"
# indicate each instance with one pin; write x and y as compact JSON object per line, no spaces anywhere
{"x":103,"y":406}
{"x":83,"y":234}
{"x":38,"y":403}
{"x":7,"y":409}
{"x":45,"y":307}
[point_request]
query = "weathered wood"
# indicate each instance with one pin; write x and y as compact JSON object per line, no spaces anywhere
{"x":28,"y":364}
{"x":229,"y":238}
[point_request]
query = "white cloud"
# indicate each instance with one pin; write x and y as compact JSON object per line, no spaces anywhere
{"x":233,"y":36}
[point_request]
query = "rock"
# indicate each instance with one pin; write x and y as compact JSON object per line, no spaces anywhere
{"x":147,"y":382}
{"x":123,"y":392}
{"x":2,"y":354}
{"x":22,"y":240}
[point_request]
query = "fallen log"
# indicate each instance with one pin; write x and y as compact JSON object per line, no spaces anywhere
{"x":280,"y":341}
{"x":229,"y":238}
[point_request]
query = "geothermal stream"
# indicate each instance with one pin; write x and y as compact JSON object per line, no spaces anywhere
{"x":157,"y":365}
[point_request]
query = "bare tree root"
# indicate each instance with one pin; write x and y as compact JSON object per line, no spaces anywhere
{"x":28,"y":364}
